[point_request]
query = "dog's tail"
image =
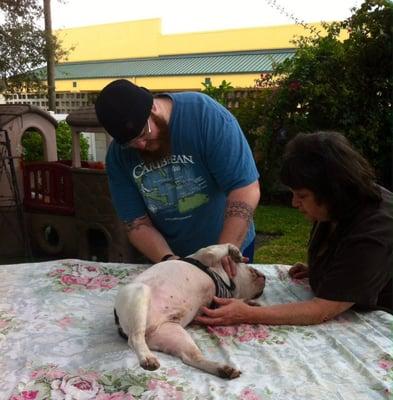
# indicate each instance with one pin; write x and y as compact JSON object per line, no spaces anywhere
{"x":119,"y":328}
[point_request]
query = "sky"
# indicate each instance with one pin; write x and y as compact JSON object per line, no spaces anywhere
{"x":179,"y":16}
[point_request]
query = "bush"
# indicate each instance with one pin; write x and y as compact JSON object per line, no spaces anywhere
{"x":217,"y":93}
{"x":331,"y":84}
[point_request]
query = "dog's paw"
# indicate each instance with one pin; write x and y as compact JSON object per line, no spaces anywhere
{"x":150,"y":363}
{"x":228,"y":372}
{"x":234,"y":253}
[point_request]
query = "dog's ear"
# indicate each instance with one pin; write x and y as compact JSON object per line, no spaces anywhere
{"x":235,"y":253}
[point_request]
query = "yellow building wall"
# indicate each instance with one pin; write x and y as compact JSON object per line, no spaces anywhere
{"x":112,"y":41}
{"x":143,"y":38}
{"x":262,"y":38}
{"x":167,"y":83}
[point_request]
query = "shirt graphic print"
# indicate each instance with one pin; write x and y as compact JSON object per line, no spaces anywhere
{"x":171,"y":186}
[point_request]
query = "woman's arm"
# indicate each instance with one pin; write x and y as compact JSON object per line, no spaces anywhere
{"x":235,"y":311}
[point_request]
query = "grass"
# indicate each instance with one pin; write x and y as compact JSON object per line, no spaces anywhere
{"x":288,"y":231}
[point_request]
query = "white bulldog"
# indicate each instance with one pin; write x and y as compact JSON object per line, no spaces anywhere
{"x":154,"y":309}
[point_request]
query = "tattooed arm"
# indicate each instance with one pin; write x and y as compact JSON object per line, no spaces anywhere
{"x":147,"y":239}
{"x":239,"y":212}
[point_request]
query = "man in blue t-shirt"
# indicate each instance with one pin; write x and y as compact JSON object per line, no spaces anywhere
{"x":181,"y":172}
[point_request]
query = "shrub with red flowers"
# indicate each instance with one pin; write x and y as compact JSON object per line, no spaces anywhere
{"x":330,"y":83}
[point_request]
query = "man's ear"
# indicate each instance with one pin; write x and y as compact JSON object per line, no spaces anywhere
{"x":153,"y":108}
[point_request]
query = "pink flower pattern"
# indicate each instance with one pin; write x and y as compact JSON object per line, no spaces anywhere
{"x":164,"y":390}
{"x":7,"y":322}
{"x":385,"y":364}
{"x":91,"y":277}
{"x":114,"y":396}
{"x":102,"y":282}
{"x":65,"y":322}
{"x":243,"y":333}
{"x":90,"y":385}
{"x":26,"y":395}
{"x":50,"y":372}
{"x":249,"y":394}
{"x":3,"y":324}
{"x":75,"y":277}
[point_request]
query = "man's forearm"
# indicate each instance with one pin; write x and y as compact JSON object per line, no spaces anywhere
{"x":309,"y":312}
{"x":239,"y":212}
{"x":147,"y":239}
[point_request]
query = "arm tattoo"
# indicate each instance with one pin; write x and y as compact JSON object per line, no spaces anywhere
{"x":239,"y":209}
{"x":138,"y":223}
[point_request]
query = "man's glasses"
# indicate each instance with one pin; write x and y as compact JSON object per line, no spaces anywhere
{"x":142,"y":137}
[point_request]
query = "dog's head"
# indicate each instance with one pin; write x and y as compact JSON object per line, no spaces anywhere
{"x":249,"y":283}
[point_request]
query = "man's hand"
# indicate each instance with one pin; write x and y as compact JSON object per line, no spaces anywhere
{"x":230,"y":312}
{"x":298,"y":271}
{"x":230,"y":267}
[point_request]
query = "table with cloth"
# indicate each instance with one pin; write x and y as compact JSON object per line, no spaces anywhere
{"x":58,"y":340}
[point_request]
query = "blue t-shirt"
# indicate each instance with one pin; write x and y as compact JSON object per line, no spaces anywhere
{"x":185,"y":193}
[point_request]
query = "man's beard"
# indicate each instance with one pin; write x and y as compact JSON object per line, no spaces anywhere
{"x":162,"y":144}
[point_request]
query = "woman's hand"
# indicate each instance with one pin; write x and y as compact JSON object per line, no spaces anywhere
{"x":298,"y":271}
{"x":229,"y":312}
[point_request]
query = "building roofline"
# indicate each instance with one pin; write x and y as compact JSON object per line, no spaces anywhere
{"x":179,"y":56}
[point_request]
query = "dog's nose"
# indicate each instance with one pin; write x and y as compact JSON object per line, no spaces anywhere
{"x":258,"y":276}
{"x":259,"y":273}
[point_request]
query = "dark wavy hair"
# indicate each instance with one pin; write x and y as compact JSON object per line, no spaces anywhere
{"x":326,"y":163}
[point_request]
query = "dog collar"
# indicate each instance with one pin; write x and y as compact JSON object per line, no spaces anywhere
{"x":222,"y":289}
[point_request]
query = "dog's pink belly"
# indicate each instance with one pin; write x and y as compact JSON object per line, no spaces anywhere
{"x":179,"y":298}
{"x":176,"y":306}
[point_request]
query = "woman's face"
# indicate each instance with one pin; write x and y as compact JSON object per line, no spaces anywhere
{"x":304,"y":200}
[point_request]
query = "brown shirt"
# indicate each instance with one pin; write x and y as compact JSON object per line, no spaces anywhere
{"x":353,"y":260}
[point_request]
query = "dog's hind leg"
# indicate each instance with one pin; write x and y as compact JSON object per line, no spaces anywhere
{"x":138,"y":304}
{"x":172,"y":338}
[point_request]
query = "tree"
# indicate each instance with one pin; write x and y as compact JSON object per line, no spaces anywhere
{"x":218,"y":93}
{"x":23,"y":46}
{"x":333,"y":84}
{"x":33,"y":146}
{"x":50,"y":56}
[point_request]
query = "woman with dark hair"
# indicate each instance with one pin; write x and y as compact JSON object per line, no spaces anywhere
{"x":350,"y":254}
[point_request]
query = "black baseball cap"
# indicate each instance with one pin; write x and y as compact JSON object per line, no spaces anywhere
{"x":123,"y":109}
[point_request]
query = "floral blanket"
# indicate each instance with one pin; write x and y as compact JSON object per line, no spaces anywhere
{"x":58,"y":340}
